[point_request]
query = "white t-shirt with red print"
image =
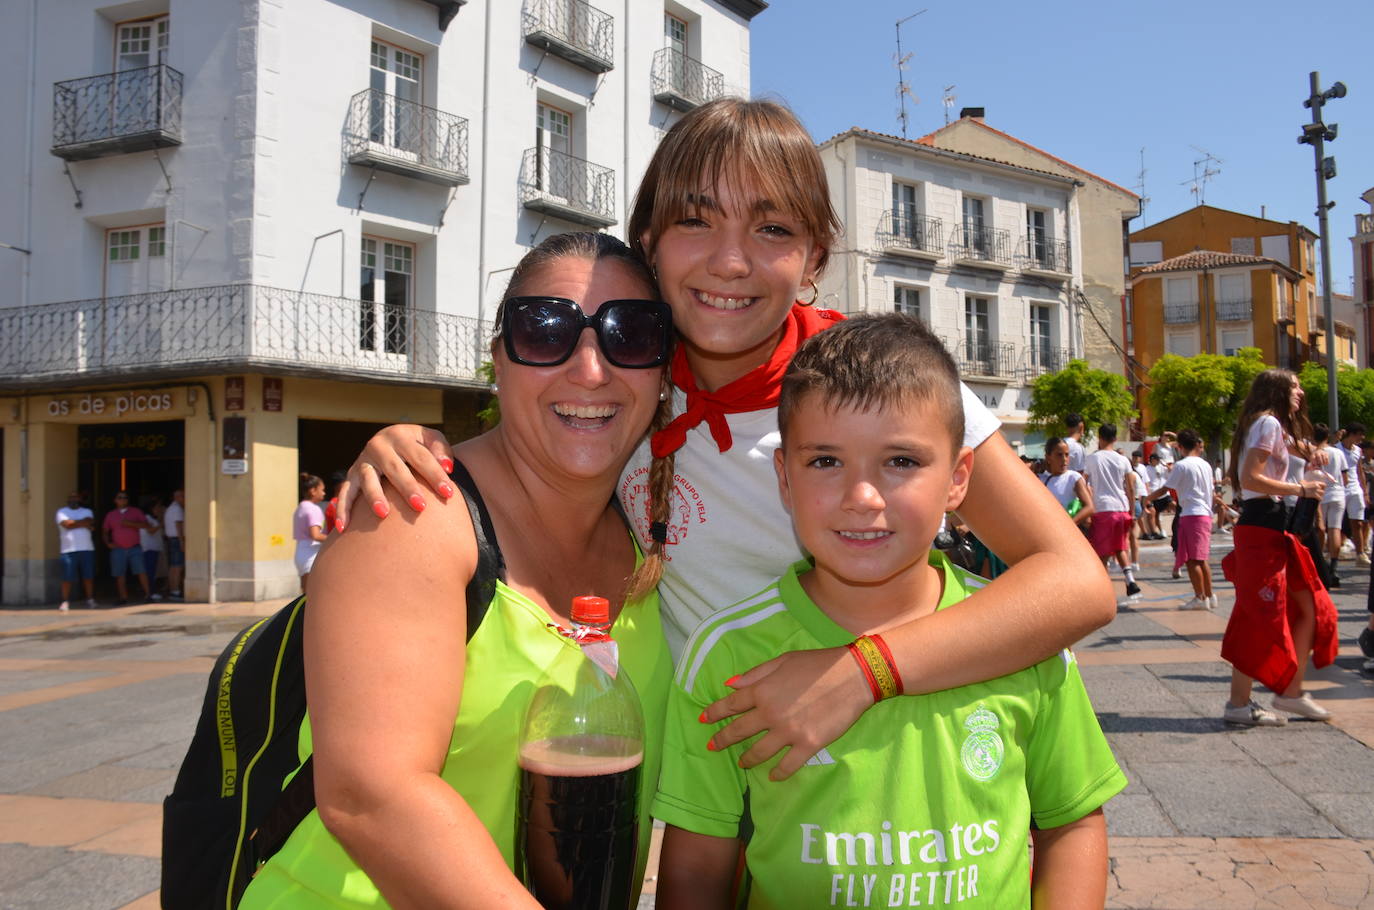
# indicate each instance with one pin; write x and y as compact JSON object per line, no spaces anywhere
{"x":728,"y":534}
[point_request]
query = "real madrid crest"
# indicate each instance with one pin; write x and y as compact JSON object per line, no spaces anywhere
{"x":982,"y":752}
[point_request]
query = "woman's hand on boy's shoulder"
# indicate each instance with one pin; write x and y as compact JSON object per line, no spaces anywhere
{"x":406,"y":454}
{"x":802,"y":701}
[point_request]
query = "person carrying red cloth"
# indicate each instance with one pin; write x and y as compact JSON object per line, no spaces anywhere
{"x":1282,"y":613}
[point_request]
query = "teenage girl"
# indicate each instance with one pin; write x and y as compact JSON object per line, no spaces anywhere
{"x":1283,"y":614}
{"x":734,"y":216}
{"x":1066,"y":486}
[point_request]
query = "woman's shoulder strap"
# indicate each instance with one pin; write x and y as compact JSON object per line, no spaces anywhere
{"x":491,"y":565}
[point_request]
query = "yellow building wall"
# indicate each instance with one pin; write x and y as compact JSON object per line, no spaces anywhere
{"x":237,"y":525}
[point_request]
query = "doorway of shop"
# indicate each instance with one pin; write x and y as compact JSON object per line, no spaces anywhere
{"x":148,"y":460}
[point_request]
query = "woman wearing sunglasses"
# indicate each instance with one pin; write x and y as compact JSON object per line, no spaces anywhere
{"x":414,"y":715}
{"x":734,"y":216}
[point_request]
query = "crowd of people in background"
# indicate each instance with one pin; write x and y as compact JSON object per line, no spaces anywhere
{"x":1173,"y":488}
{"x":144,"y":540}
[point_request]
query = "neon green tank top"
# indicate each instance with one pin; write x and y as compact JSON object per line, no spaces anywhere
{"x":511,"y":649}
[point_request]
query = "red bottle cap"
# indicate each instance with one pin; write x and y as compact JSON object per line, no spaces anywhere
{"x":590,"y":610}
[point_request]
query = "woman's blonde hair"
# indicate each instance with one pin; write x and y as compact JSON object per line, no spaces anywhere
{"x":759,"y":145}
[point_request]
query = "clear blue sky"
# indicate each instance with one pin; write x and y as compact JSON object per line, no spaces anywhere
{"x":1095,"y":81}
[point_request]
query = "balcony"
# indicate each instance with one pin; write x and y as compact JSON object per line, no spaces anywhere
{"x":1240,"y":310}
{"x":555,"y":183}
{"x":981,"y":247}
{"x":402,"y":137}
{"x":1364,"y":223}
{"x":239,"y":327}
{"x":1046,"y":257}
{"x":985,"y":359}
{"x":683,"y":83}
{"x":1037,"y":359}
{"x":576,"y":31}
{"x":906,"y":234}
{"x":118,"y":113}
{"x":1180,"y":313}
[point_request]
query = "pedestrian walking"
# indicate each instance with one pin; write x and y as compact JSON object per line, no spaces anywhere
{"x":1074,"y":438}
{"x":120,"y":528}
{"x":1283,"y":613}
{"x":1332,"y":512}
{"x":77,"y":545}
{"x":150,"y":540}
{"x":1191,"y":481}
{"x":1355,"y":494}
{"x":1113,"y":487}
{"x":174,"y":536}
{"x":307,"y":525}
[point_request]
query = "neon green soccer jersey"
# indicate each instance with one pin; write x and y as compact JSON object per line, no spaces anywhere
{"x":926,"y":801}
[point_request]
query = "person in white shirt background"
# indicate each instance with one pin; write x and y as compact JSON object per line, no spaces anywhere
{"x":1191,"y":479}
{"x":75,"y":523}
{"x":1112,"y":482}
{"x":1355,"y":496}
{"x":1144,"y":511}
{"x":1074,"y":438}
{"x":1332,"y":509}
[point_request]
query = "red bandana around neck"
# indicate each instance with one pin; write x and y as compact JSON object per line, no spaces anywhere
{"x":754,"y":391}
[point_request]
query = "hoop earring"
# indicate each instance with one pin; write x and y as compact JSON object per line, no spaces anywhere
{"x":815,"y":293}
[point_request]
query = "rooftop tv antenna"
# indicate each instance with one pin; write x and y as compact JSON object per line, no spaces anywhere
{"x":901,"y":60}
{"x":1202,"y":172}
{"x":1140,"y":185}
{"x":948,"y":101}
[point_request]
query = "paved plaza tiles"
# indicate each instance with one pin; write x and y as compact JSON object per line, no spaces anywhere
{"x":96,"y":709}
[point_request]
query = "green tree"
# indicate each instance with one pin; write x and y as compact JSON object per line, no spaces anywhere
{"x":1100,"y":396}
{"x":490,"y":415}
{"x":1354,"y":393}
{"x":1203,"y":392}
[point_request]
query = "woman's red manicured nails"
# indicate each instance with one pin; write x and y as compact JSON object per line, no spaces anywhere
{"x":701,"y":719}
{"x":445,"y":491}
{"x":710,"y":745}
{"x":416,"y":502}
{"x":731,"y":681}
{"x":338,"y":525}
{"x":379,"y":509}
{"x":446,"y":464}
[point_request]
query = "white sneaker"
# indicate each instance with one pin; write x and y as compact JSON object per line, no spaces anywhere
{"x":1252,"y":715}
{"x":64,"y":607}
{"x":1362,"y":560}
{"x":1197,"y":603}
{"x":1213,"y":603}
{"x":1135,"y":567}
{"x":1303,"y":706}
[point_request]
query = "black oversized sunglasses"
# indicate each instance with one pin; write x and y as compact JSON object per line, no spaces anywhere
{"x":544,"y":331}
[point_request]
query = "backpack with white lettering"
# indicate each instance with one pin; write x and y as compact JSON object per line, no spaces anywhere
{"x":242,"y":788}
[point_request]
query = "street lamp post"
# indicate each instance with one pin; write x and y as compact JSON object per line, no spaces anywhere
{"x":1315,"y":134}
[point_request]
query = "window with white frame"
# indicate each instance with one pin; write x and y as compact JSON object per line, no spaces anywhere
{"x":977,"y":329}
{"x":135,"y":94}
{"x":1180,"y":290}
{"x":1184,"y":344}
{"x":975,"y":236}
{"x":135,"y":260}
{"x":675,"y":39}
{"x":1042,"y":353}
{"x":142,"y":43}
{"x":904,"y":210}
{"x":553,"y":141}
{"x":386,"y":289}
{"x":395,"y":119}
{"x":1233,"y":340}
{"x":907,"y":300}
{"x":1037,"y":238}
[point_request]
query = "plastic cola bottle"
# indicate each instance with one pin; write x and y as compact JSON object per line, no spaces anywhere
{"x":581,"y":751}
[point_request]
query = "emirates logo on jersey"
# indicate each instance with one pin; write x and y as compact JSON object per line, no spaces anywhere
{"x":685,"y":509}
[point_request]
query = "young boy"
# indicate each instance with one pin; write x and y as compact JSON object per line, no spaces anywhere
{"x":1113,"y":485}
{"x":1192,"y":481}
{"x":925,"y":801}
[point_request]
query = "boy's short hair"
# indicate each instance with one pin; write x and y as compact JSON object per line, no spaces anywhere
{"x":874,"y":361}
{"x":1107,"y":432}
{"x":1354,"y":428}
{"x":1320,"y":432}
{"x":1188,"y":440}
{"x":1073,"y":421}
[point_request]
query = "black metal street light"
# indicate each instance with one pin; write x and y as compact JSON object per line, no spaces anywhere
{"x":1315,"y":134}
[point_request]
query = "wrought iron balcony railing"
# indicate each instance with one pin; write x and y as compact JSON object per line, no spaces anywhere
{"x":129,"y":111}
{"x":1235,"y":310}
{"x":980,"y":245}
{"x":392,"y":134}
{"x":995,"y":359}
{"x":909,"y":234}
{"x":240,"y":326}
{"x":1042,"y":254}
{"x":1180,"y":313}
{"x":682,"y":82}
{"x":569,"y":188}
{"x":572,"y":29}
{"x":1041,"y":358}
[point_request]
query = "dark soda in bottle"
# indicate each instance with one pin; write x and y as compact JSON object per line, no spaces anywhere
{"x":581,"y":750}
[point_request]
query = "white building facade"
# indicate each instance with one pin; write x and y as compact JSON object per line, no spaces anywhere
{"x":981,"y":250}
{"x":299,"y":214}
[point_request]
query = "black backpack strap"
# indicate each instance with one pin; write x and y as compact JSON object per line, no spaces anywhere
{"x":297,"y":798}
{"x":491,"y":564}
